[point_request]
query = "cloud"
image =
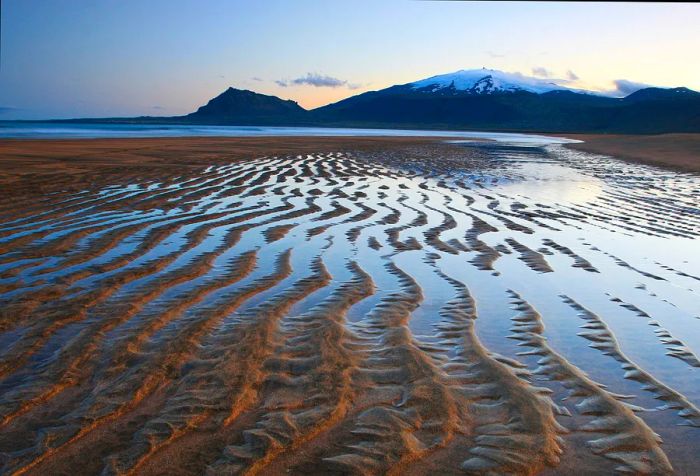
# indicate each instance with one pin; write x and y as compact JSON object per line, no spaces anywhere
{"x":160,"y":108}
{"x":6,"y":109}
{"x":255,"y":78}
{"x":542,"y":72}
{"x":493,"y":54}
{"x":571,"y":76}
{"x":318,"y":81}
{"x":624,"y":87}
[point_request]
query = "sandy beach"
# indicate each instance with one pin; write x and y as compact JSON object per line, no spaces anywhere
{"x":293,"y":305}
{"x":676,"y":151}
{"x":93,"y":159}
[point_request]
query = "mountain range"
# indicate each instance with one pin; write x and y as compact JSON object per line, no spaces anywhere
{"x":480,"y":99}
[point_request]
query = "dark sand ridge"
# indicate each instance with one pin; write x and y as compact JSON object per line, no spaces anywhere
{"x":676,"y":151}
{"x":198,"y":321}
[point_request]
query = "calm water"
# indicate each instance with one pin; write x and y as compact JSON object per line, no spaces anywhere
{"x":26,"y":130}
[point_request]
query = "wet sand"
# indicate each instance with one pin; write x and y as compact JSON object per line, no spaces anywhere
{"x":676,"y":151}
{"x":345,"y":306}
{"x":78,"y":158}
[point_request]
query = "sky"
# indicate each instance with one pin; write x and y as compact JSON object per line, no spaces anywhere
{"x":109,"y":58}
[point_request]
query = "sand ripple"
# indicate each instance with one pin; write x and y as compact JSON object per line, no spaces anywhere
{"x":460,"y":310}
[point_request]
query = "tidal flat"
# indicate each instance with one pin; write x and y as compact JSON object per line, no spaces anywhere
{"x":325,"y":305}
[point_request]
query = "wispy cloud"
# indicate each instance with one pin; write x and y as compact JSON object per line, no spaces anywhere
{"x":571,"y":76}
{"x":494,"y":54}
{"x":159,"y":108}
{"x":318,"y":81}
{"x":255,"y":78}
{"x":542,"y":72}
{"x":624,"y":87}
{"x":6,"y":109}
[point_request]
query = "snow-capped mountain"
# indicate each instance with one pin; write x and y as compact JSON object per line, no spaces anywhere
{"x":495,"y":100}
{"x":487,"y":81}
{"x":477,"y":99}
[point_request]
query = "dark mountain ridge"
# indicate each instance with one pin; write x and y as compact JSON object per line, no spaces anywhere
{"x":467,"y":99}
{"x":242,"y":106}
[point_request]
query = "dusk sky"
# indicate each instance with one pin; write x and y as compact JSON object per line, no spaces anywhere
{"x":75,"y":58}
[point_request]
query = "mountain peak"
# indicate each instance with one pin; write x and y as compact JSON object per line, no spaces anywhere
{"x":652,"y":94}
{"x":487,"y":81}
{"x":244,"y":106}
